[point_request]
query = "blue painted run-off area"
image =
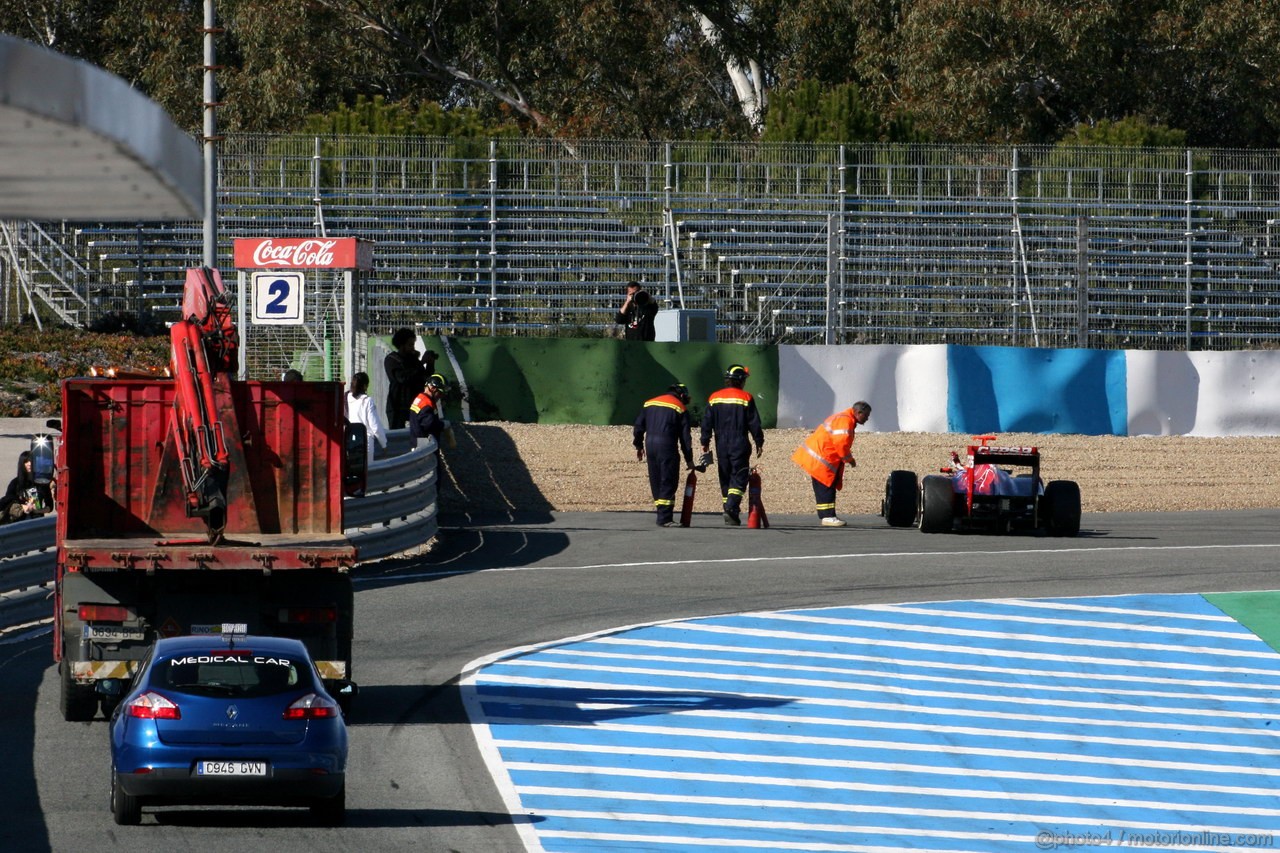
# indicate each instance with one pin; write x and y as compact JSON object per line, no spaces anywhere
{"x":957,"y":726}
{"x":1004,"y":389}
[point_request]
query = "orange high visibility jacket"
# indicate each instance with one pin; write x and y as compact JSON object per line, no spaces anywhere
{"x":827,"y":448}
{"x":424,"y":416}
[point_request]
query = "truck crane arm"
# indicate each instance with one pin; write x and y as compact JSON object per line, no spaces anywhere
{"x":203,"y":352}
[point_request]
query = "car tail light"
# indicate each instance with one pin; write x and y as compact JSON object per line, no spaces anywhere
{"x":103,"y":613}
{"x":153,"y":706}
{"x":311,"y":707}
{"x":309,"y":615}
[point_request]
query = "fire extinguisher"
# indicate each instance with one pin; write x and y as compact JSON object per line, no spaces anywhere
{"x":686,"y":508}
{"x":756,"y":516}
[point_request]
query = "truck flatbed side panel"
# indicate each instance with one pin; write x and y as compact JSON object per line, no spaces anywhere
{"x":119,"y":460}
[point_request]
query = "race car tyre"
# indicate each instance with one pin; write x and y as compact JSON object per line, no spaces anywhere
{"x":1061,"y":508}
{"x":79,"y":702}
{"x":936,"y":505}
{"x":901,"y":494}
{"x":126,"y":810}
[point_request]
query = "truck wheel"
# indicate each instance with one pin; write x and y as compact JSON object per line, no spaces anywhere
{"x":901,"y":492}
{"x":1061,"y":508}
{"x":79,"y":702}
{"x":330,"y":811}
{"x":126,"y":809}
{"x":936,"y":505}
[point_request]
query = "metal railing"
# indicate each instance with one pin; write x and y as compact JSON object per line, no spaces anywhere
{"x":903,"y":244}
{"x":397,"y":513}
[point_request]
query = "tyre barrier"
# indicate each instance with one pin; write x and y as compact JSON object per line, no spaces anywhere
{"x":397,"y":513}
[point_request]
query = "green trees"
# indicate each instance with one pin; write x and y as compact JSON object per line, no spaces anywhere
{"x":811,"y":112}
{"x":375,"y":116}
{"x":1029,"y":71}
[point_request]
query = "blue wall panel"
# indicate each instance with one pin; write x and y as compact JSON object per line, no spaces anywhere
{"x":1007,"y":389}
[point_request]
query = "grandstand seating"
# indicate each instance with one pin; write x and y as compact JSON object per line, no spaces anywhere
{"x":775,"y":262}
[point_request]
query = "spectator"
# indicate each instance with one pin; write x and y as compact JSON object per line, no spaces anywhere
{"x":291,"y":375}
{"x":825,"y":453}
{"x":637,"y":313}
{"x":362,"y":410}
{"x":25,"y":498}
{"x":406,"y":372}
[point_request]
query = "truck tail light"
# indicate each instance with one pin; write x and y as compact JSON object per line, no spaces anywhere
{"x":309,"y":615}
{"x":103,"y":613}
{"x":311,"y":707}
{"x":153,"y":706}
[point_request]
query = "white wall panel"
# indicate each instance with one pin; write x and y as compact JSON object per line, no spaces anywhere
{"x":905,"y":385}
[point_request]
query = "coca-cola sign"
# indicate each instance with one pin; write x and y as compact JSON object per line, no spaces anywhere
{"x":302,"y":253}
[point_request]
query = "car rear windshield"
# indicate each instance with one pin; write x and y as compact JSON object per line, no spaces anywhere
{"x":231,"y":673}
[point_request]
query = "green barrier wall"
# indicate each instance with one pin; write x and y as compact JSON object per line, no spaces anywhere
{"x":590,"y":381}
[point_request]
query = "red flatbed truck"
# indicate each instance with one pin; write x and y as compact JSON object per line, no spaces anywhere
{"x":141,"y":555}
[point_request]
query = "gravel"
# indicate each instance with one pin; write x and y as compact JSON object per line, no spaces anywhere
{"x":504,"y":467}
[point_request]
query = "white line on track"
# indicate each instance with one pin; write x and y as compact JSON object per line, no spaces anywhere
{"x":944,"y":665}
{"x":1042,"y":604}
{"x":891,"y":677}
{"x":845,"y":808}
{"x":898,"y":725}
{"x":709,"y":758}
{"x":851,"y":687}
{"x":1120,"y":627}
{"x":771,"y":739}
{"x":799,"y":781}
{"x":1008,"y":654}
{"x":1264,"y":653}
{"x":399,"y":578}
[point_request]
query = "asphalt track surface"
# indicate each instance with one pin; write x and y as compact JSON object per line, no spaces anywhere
{"x":418,"y":778}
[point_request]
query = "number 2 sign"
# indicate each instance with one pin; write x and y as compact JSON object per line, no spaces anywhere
{"x":277,"y":298}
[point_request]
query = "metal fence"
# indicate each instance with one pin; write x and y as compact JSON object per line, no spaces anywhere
{"x":399,"y":512}
{"x":1109,"y":248}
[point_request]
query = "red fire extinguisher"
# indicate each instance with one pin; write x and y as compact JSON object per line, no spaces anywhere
{"x":756,"y":516}
{"x":690,"y":489}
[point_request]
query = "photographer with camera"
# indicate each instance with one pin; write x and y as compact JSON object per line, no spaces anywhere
{"x":636,"y":314}
{"x":407,"y":372}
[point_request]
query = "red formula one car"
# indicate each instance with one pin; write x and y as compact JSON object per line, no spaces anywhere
{"x":993,"y":489}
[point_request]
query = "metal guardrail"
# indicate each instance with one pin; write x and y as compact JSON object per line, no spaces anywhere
{"x":397,"y":513}
{"x":398,"y":509}
{"x":26,"y":553}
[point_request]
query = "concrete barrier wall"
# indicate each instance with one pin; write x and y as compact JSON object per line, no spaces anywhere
{"x":1010,"y":389}
{"x":903,"y":384}
{"x":935,"y":388}
{"x":1203,"y":393}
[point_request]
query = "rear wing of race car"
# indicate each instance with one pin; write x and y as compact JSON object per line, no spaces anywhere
{"x":1005,"y":455}
{"x":987,"y":454}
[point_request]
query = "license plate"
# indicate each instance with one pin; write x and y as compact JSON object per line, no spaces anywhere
{"x":231,"y":768}
{"x":112,"y":635}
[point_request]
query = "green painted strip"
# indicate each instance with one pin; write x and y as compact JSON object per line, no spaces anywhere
{"x":1257,"y":611}
{"x":598,"y":381}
